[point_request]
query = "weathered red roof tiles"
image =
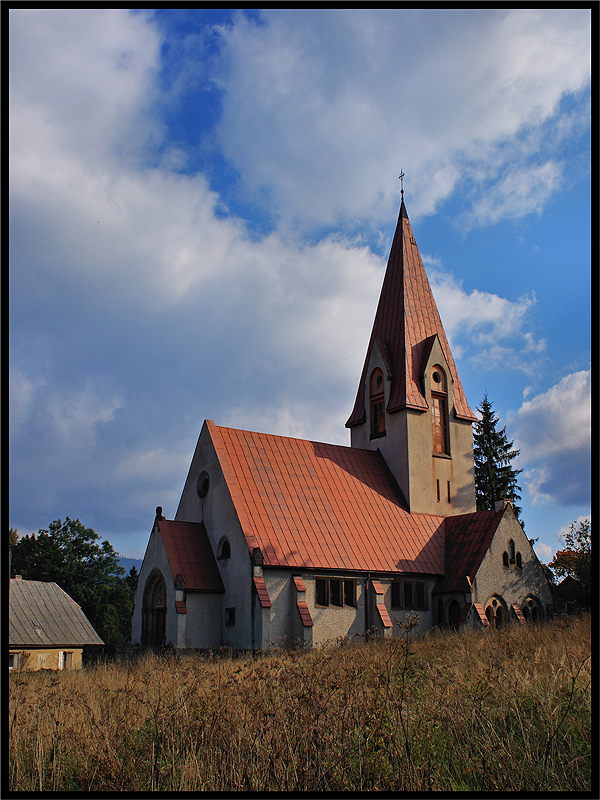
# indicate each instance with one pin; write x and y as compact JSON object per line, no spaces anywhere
{"x":405,"y":324}
{"x":313,"y":505}
{"x":190,"y":555}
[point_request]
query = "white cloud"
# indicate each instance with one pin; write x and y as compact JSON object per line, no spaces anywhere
{"x":494,"y":326}
{"x":336,"y":75}
{"x":553,"y":431}
{"x":544,"y":552}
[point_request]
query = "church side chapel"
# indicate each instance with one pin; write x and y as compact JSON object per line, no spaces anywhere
{"x":281,"y":541}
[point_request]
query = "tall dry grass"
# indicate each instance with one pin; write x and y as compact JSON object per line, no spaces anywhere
{"x":482,"y":711}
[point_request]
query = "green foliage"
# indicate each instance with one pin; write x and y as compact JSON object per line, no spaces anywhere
{"x":86,"y":568}
{"x":575,"y":559}
{"x":495,"y":478}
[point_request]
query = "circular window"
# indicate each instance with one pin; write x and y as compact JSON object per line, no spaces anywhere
{"x":203,"y":484}
{"x":437,"y":378}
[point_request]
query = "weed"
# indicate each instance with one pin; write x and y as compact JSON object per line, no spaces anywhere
{"x":481,"y":711}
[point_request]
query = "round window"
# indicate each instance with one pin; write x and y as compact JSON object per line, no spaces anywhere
{"x":203,"y":484}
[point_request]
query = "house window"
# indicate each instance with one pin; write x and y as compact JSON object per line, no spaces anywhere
{"x":496,"y":613}
{"x":13,"y":661}
{"x":377,"y":403}
{"x":224,"y":548}
{"x":335,"y":592}
{"x":409,"y":595}
{"x":230,"y":616}
{"x":439,"y":411}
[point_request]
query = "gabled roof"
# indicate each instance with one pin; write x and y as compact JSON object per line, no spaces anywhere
{"x":190,"y":555}
{"x":43,"y":615}
{"x":406,"y":319}
{"x":468,"y":537}
{"x":321,"y":506}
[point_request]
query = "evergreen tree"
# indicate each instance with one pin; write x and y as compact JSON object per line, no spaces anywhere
{"x":495,"y":478}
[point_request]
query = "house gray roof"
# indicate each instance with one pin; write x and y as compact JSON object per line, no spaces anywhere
{"x":43,"y":615}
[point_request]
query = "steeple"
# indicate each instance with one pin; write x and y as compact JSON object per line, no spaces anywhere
{"x":406,"y":320}
{"x":409,"y":373}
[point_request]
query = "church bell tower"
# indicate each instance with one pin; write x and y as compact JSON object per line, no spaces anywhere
{"x":410,"y":403}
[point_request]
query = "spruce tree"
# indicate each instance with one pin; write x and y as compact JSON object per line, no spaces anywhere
{"x":495,"y":478}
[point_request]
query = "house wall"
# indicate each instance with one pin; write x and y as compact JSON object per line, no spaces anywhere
{"x":332,"y":623}
{"x":31,"y":659}
{"x":512,"y":585}
{"x":201,"y":626}
{"x":155,"y":558}
{"x":408,"y":450}
{"x":218,"y":513}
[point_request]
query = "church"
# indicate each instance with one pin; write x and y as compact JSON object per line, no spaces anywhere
{"x":280,"y":541}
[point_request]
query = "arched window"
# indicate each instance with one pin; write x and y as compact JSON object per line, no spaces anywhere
{"x":154,"y":609}
{"x":376,"y":395}
{"x":511,"y":552}
{"x":505,"y":559}
{"x":496,"y":612}
{"x":439,"y":411}
{"x":532,"y":610}
{"x":224,"y":548}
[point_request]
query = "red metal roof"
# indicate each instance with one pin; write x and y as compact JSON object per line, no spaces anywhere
{"x":309,"y":505}
{"x":405,"y":323}
{"x":468,"y":537}
{"x":190,"y":555}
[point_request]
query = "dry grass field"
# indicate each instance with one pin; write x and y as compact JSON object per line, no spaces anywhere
{"x":482,"y":711}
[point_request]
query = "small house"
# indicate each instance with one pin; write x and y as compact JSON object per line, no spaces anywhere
{"x":47,"y":628}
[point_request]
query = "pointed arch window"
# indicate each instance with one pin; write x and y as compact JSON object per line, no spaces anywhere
{"x":376,"y":395}
{"x":439,"y":411}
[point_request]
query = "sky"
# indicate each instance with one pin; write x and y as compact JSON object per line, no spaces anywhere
{"x":201,"y":206}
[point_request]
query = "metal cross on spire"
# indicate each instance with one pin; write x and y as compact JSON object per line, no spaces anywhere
{"x":401,"y":179}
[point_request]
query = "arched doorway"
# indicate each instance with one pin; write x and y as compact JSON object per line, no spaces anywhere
{"x":453,"y":614}
{"x":154,"y":610}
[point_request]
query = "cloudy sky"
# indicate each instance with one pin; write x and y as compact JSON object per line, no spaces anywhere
{"x":201,"y":209}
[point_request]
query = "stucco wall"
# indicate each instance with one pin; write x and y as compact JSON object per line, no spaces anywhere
{"x":155,"y":558}
{"x":408,"y":450}
{"x":218,"y":513}
{"x":332,"y":623}
{"x":513,"y":585}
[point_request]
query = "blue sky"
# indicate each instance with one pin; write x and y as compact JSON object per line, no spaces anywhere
{"x":201,"y":208}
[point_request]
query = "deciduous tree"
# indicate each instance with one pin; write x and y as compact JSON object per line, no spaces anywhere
{"x":86,"y":568}
{"x":575,"y":559}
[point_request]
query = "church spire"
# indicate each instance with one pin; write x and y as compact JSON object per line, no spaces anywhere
{"x":410,"y":404}
{"x":406,"y":320}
